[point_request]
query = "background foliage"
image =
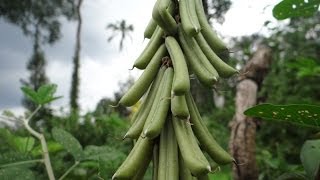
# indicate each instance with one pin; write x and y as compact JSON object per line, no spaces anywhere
{"x":293,"y":78}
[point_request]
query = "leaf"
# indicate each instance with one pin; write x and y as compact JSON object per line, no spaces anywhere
{"x":15,"y":173}
{"x":21,"y":144}
{"x":14,"y":157}
{"x":299,"y":114}
{"x":69,"y":142}
{"x":310,"y":158}
{"x":292,"y":176}
{"x":45,"y":93}
{"x":295,"y":8}
{"x":102,"y":153}
{"x":305,"y":67}
{"x":52,"y":148}
{"x":31,"y":94}
{"x":103,"y":170}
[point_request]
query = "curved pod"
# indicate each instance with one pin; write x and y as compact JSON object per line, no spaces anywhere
{"x":181,"y":82}
{"x":137,"y":90}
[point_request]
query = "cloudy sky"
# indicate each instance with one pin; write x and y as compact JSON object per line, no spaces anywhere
{"x":102,"y":65}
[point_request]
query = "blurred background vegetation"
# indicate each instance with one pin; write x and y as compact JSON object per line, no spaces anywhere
{"x":293,"y":78}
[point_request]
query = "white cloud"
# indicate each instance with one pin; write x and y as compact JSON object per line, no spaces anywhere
{"x":246,"y":17}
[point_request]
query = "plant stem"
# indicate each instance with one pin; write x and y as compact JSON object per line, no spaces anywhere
{"x":69,"y":170}
{"x":22,"y":162}
{"x":44,"y":146}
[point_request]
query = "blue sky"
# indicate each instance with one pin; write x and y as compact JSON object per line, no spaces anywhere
{"x":102,"y":65}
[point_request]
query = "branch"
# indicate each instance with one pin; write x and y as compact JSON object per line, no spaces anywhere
{"x":22,"y":162}
{"x":69,"y":170}
{"x":44,"y":146}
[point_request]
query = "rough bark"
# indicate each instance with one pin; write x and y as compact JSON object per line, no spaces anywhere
{"x":243,"y":129}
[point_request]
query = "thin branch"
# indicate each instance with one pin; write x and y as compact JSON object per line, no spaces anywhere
{"x":44,"y":146}
{"x":33,"y":113}
{"x":22,"y":162}
{"x":69,"y":170}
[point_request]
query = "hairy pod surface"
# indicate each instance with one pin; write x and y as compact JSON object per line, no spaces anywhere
{"x":179,"y":107}
{"x":150,"y":29}
{"x":149,"y":51}
{"x":195,"y":48}
{"x":168,"y":153}
{"x":215,"y":151}
{"x":210,"y":35}
{"x":204,"y":76}
{"x":142,"y":84}
{"x":155,"y":161}
{"x":224,"y":70}
{"x":181,"y":82}
{"x":184,"y":172}
{"x":137,"y":157}
{"x":191,"y":153}
{"x":136,"y":128}
{"x":161,"y":14}
{"x":157,"y":119}
{"x":189,"y":21}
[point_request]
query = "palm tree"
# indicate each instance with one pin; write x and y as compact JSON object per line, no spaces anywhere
{"x":119,"y":27}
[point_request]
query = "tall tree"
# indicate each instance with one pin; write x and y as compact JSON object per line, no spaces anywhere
{"x":38,"y":19}
{"x":122,"y":28}
{"x":243,"y":129}
{"x":74,"y":93}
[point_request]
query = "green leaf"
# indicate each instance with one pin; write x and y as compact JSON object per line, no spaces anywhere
{"x":295,"y":8}
{"x":103,"y":170}
{"x":13,"y":157}
{"x":305,"y":67}
{"x":52,"y":148}
{"x":310,"y":158}
{"x":102,"y":153}
{"x":45,"y":93}
{"x":299,"y":114}
{"x":21,"y":144}
{"x":15,"y":173}
{"x":70,"y":143}
{"x":292,"y":176}
{"x":31,"y":94}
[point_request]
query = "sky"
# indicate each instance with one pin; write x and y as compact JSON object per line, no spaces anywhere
{"x":103,"y":66}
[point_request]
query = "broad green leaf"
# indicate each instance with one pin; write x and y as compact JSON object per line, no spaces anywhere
{"x":299,"y":114}
{"x":52,"y":148}
{"x":310,"y":158}
{"x":102,"y":153}
{"x":15,"y":173}
{"x":295,"y":8}
{"x":70,"y":143}
{"x":46,"y":93}
{"x":305,"y":67}
{"x":21,"y":144}
{"x":31,"y":94}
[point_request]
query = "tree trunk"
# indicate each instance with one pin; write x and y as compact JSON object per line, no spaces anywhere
{"x":74,"y":94}
{"x":243,"y":129}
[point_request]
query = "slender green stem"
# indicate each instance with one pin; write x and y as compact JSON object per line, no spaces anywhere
{"x":69,"y":170}
{"x":22,"y":162}
{"x":44,"y":146}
